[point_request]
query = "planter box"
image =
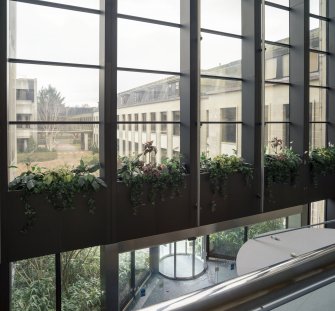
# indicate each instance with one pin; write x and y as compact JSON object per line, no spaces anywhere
{"x":278,"y":195}
{"x":164,"y":216}
{"x":240,"y":200}
{"x":53,"y":231}
{"x":304,"y":191}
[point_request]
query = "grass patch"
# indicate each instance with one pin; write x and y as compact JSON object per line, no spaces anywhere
{"x":36,"y":157}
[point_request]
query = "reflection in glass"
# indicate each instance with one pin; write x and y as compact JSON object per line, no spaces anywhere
{"x":318,"y":7}
{"x":221,"y":15}
{"x":318,"y":69}
{"x":49,"y":34}
{"x":33,"y":284}
{"x":142,"y":265}
{"x":219,"y":139}
{"x":165,"y":10}
{"x":317,"y":104}
{"x":317,"y":135}
{"x":318,"y":34}
{"x":276,"y":24}
{"x":277,"y":59}
{"x":53,"y":145}
{"x":148,"y":46}
{"x":318,"y":212}
{"x":81,"y":285}
{"x":277,"y":102}
{"x":124,"y":278}
{"x":220,"y":55}
{"x":48,"y":93}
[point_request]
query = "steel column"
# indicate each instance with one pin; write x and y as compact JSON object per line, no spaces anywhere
{"x":58,"y":269}
{"x":190,"y":93}
{"x":3,"y":116}
{"x":5,"y":285}
{"x":109,"y":275}
{"x":331,"y":73}
{"x":299,"y":76}
{"x":252,"y":141}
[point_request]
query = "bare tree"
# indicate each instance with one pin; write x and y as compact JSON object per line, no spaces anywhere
{"x":50,"y":108}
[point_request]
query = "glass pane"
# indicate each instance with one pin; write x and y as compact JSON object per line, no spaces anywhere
{"x":318,"y":69}
{"x":280,"y":131}
{"x":166,"y":250}
{"x":124,"y":278}
{"x":165,"y":10}
{"x":221,"y":56}
{"x":52,"y":146}
{"x":266,"y":226}
{"x":184,"y":260}
{"x":143,"y":94}
{"x":317,"y":104}
{"x":142,"y":265}
{"x":33,"y":284}
{"x":81,"y":286}
{"x":219,"y":139}
{"x":277,"y":59}
{"x":277,"y":102}
{"x":318,"y":212}
{"x":166,"y":259}
{"x":318,"y":7}
{"x":131,"y":140}
{"x":318,"y":34}
{"x":50,"y":34}
{"x":48,"y":93}
{"x":148,"y":46}
{"x":317,"y":135}
{"x":218,"y":94}
{"x":221,"y":15}
{"x":281,"y":2}
{"x":226,"y":244}
{"x":91,"y":4}
{"x":276,"y":24}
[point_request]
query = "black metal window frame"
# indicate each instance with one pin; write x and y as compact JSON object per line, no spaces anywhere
{"x":251,"y":121}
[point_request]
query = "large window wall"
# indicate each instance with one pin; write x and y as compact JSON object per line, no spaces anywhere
{"x":221,"y":77}
{"x":65,"y":105}
{"x":148,"y":78}
{"x":53,"y":85}
{"x":277,"y":73}
{"x":93,"y":80}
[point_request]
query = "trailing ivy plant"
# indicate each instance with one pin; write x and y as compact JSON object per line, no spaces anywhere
{"x":160,"y":179}
{"x":220,"y":168}
{"x":322,"y":162}
{"x":59,"y":186}
{"x":282,"y":166}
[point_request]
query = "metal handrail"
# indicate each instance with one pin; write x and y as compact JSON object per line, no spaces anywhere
{"x":255,"y":286}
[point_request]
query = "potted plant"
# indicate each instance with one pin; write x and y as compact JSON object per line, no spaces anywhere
{"x":58,"y":186}
{"x":151,"y":196}
{"x":225,"y":183}
{"x":282,"y":168}
{"x":322,"y":170}
{"x":54,"y":209}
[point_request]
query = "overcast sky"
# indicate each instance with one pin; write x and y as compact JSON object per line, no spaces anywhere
{"x":66,"y":36}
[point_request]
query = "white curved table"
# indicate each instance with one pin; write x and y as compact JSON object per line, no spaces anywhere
{"x":266,"y":251}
